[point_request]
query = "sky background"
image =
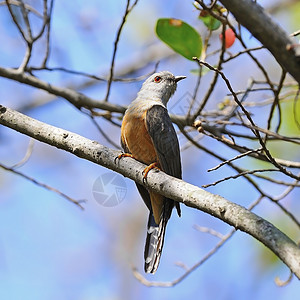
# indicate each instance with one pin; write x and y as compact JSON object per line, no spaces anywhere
{"x":49,"y":248}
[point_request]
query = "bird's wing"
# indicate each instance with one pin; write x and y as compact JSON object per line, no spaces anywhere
{"x":164,"y":138}
{"x":165,"y":142}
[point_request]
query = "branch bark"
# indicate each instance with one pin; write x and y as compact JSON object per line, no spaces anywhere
{"x":192,"y":196}
{"x":252,"y":16}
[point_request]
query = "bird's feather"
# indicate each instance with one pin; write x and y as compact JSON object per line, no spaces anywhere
{"x":164,"y":138}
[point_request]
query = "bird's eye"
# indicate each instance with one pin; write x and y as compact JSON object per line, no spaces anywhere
{"x":157,"y":79}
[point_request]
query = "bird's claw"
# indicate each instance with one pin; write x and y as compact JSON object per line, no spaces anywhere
{"x":148,"y":169}
{"x":123,"y":155}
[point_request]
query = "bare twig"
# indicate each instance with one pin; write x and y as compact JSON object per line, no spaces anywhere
{"x":27,"y":6}
{"x":224,"y":239}
{"x":26,"y":156}
{"x":209,"y":231}
{"x":8,"y":3}
{"x":47,"y":22}
{"x":46,"y":186}
{"x":247,"y":172}
{"x":296,"y":115}
{"x":276,"y":103}
{"x":251,"y":15}
{"x":146,"y":282}
{"x":256,"y":132}
{"x":234,"y":158}
{"x":106,"y":137}
{"x":128,"y":9}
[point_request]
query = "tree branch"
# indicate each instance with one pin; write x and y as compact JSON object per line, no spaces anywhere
{"x":173,"y":188}
{"x":252,"y":16}
{"x":76,"y":98}
{"x":43,"y":185}
{"x":80,"y":100}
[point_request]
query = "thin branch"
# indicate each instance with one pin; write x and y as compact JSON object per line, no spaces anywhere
{"x":91,"y":76}
{"x":146,"y":282}
{"x":276,"y":103}
{"x":8,"y":4}
{"x":46,"y":20}
{"x":256,"y":132}
{"x":225,"y":20}
{"x":243,"y":149}
{"x":295,"y":111}
{"x":225,"y":238}
{"x":26,"y":156}
{"x":247,"y":172}
{"x":245,"y":51}
{"x":48,"y":27}
{"x":287,"y":191}
{"x":199,"y":77}
{"x":209,"y":231}
{"x":106,"y":137}
{"x":275,"y":136}
{"x":234,"y":158}
{"x":288,"y":213}
{"x":219,"y":157}
{"x":26,"y":20}
{"x":295,"y":33}
{"x":214,"y":80}
{"x":28,"y":38}
{"x":27,"y":6}
{"x":252,"y":16}
{"x":43,"y":185}
{"x":112,"y":65}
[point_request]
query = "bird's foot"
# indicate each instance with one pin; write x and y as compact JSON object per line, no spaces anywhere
{"x":147,"y":170}
{"x":123,"y":155}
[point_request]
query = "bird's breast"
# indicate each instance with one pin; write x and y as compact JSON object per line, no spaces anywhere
{"x":135,"y":136}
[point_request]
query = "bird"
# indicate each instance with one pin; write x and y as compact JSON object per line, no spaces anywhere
{"x":148,"y":135}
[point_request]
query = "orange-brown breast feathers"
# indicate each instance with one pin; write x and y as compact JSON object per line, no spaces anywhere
{"x":135,"y":137}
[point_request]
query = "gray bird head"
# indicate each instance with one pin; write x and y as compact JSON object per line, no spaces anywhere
{"x":160,"y":85}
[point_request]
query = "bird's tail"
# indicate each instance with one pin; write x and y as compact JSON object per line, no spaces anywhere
{"x":154,"y":243}
{"x":155,"y":237}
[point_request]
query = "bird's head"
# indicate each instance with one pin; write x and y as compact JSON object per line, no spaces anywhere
{"x":161,"y":85}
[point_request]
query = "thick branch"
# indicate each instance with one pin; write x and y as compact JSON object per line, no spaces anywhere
{"x":173,"y":188}
{"x":76,"y":98}
{"x":252,"y":16}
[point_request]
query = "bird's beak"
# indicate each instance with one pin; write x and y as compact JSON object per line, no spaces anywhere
{"x":178,"y":78}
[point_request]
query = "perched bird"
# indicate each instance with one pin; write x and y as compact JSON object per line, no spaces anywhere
{"x":148,"y":135}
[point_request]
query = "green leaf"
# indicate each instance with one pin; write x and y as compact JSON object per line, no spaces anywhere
{"x":210,"y":22}
{"x":180,"y":36}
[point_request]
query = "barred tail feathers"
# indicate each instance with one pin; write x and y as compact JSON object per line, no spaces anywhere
{"x":156,"y":235}
{"x":154,"y":243}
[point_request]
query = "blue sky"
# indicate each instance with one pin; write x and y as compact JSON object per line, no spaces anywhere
{"x":49,"y":248}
